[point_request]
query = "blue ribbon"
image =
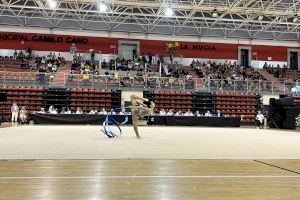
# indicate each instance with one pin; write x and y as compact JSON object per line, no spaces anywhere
{"x":110,"y":120}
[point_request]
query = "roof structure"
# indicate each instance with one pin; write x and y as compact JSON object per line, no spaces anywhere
{"x":247,"y":19}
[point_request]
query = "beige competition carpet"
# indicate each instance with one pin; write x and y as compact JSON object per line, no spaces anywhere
{"x":86,"y":142}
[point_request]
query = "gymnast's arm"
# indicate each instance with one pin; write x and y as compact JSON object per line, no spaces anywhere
{"x":139,"y":107}
{"x":134,"y":97}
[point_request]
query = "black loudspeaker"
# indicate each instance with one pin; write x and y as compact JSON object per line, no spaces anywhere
{"x":3,"y":96}
{"x":284,"y":95}
{"x":287,"y":101}
{"x":274,"y":117}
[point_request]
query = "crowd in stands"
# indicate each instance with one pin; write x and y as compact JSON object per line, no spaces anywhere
{"x":229,"y":75}
{"x":277,"y":72}
{"x":227,"y":71}
{"x":29,"y":61}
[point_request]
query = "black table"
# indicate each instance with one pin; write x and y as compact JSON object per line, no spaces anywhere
{"x":152,"y":120}
{"x":203,"y":121}
{"x":74,"y":119}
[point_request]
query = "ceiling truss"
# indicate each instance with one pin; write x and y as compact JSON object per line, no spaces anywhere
{"x":236,"y":18}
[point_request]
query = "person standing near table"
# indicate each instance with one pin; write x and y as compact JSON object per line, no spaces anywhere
{"x":260,"y":120}
{"x":23,"y":115}
{"x":14,"y":112}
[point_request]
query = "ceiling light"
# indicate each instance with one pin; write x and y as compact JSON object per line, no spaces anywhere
{"x":260,"y":17}
{"x":52,"y":4}
{"x":169,"y":11}
{"x":215,"y":15}
{"x":102,"y":7}
{"x":295,"y":19}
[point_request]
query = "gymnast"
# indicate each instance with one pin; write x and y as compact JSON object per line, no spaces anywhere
{"x":140,"y":107}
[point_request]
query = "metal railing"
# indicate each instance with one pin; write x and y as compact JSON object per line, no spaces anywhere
{"x":141,"y":83}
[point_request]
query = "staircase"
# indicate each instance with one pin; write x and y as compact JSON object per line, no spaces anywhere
{"x":200,"y":84}
{"x":269,"y":77}
{"x":59,"y":79}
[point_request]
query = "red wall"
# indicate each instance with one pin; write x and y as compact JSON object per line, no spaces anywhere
{"x":263,"y":52}
{"x":222,"y":51}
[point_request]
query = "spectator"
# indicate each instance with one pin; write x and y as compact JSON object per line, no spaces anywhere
{"x":68,"y":111}
{"x":219,"y":114}
{"x":259,"y":120}
{"x":103,"y":112}
{"x":42,"y":111}
{"x":15,"y":54}
{"x":14,"y":112}
{"x":63,"y":110}
{"x":179,"y":113}
{"x":170,"y":113}
{"x":189,"y":113}
{"x":23,"y":115}
{"x":53,"y":111}
{"x":79,"y":110}
{"x":51,"y":108}
{"x":198,"y":114}
{"x":208,"y":114}
{"x":92,"y":112}
{"x":162,"y":112}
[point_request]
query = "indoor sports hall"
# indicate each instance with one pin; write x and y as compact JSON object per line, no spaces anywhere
{"x":149,"y":99}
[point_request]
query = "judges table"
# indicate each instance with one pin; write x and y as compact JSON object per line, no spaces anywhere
{"x":74,"y":119}
{"x":152,"y":120}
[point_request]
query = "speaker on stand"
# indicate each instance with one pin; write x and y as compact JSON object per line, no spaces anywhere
{"x":273,"y":117}
{"x":3,"y":97}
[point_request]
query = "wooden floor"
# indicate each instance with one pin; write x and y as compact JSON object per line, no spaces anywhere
{"x":149,"y":179}
{"x":87,"y":142}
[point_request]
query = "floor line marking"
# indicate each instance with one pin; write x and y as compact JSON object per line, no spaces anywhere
{"x":140,"y":177}
{"x":278,"y":167}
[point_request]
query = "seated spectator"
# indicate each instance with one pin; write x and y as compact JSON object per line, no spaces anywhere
{"x":63,"y":110}
{"x":113,"y":112}
{"x":42,"y":111}
{"x":188,"y":113}
{"x":54,"y":111}
{"x":124,"y":111}
{"x":170,"y":113}
{"x":51,"y":108}
{"x":260,"y":120}
{"x":68,"y":111}
{"x":179,"y":113}
{"x":92,"y":112}
{"x":103,"y":112}
{"x":79,"y":110}
{"x":162,"y":112}
{"x":219,"y":114}
{"x":198,"y":114}
{"x":208,"y":114}
{"x":23,"y":115}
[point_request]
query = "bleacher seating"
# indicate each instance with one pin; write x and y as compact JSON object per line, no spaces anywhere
{"x":292,"y":74}
{"x":10,"y":64}
{"x":238,"y":104}
{"x":31,"y":97}
{"x":176,"y":100}
{"x":244,"y":105}
{"x":93,"y":98}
